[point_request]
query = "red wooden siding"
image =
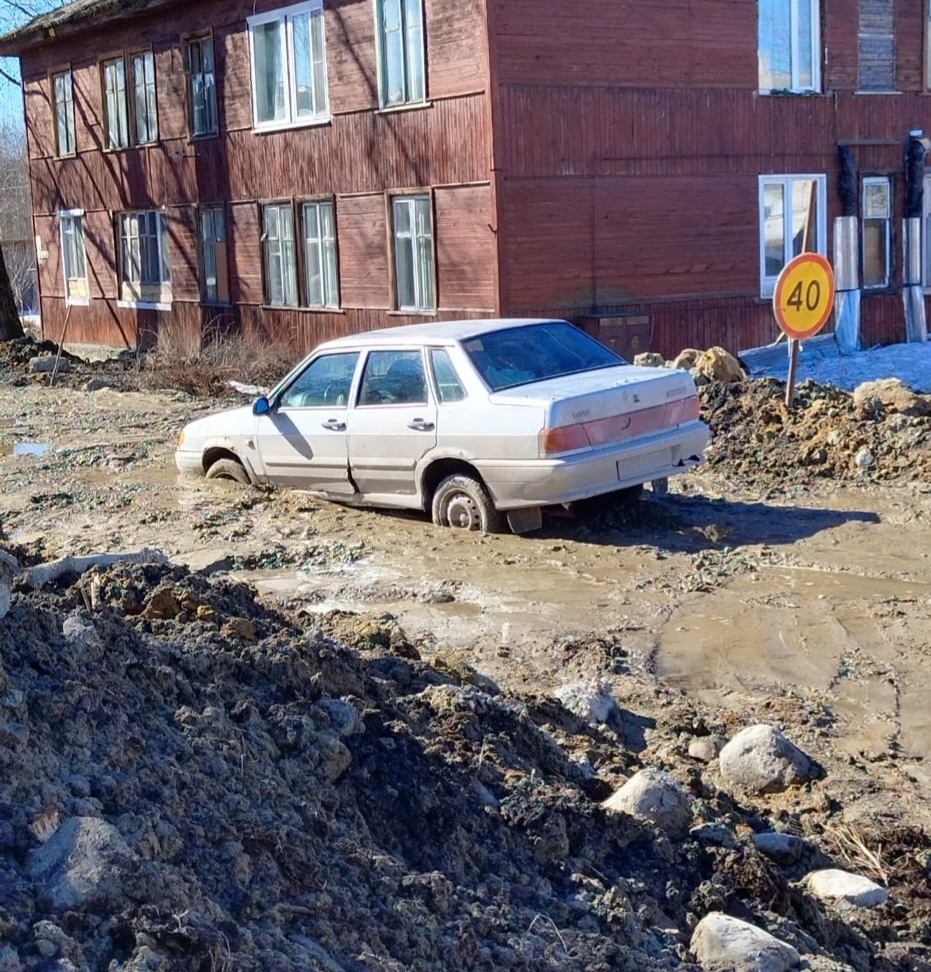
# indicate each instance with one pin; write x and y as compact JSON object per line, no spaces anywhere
{"x":362,"y":237}
{"x":674,"y":43}
{"x":465,"y":248}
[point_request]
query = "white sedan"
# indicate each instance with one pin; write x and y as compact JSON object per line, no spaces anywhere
{"x":481,"y":423}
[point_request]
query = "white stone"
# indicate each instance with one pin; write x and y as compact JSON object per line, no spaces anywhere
{"x":784,"y":848}
{"x":863,"y":459}
{"x":79,"y":866}
{"x":843,"y":889}
{"x":592,"y":701}
{"x":654,"y":796}
{"x":706,"y":749}
{"x":724,"y":944}
{"x":43,"y":364}
{"x":80,"y":634}
{"x":762,"y":760}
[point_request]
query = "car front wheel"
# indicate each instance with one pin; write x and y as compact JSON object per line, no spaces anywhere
{"x":228,"y":469}
{"x":462,"y":501}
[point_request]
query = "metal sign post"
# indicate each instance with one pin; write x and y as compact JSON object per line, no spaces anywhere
{"x":802,"y":303}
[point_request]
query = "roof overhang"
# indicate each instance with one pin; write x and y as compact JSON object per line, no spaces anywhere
{"x":72,"y":19}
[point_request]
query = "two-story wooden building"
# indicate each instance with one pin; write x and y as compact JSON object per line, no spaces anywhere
{"x":309,"y":169}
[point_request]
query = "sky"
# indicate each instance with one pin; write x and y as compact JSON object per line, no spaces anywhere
{"x":910,"y":362}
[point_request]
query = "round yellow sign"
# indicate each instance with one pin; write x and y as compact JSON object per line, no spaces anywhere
{"x":804,"y":296}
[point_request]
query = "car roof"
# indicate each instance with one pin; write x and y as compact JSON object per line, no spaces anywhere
{"x":435,"y":331}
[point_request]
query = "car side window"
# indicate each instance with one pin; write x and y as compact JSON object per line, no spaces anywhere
{"x":393,"y":378}
{"x":447,"y":381}
{"x":324,"y":382}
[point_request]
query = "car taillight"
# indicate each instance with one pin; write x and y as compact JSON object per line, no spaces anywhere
{"x":181,"y":439}
{"x":684,"y":410}
{"x":564,"y":438}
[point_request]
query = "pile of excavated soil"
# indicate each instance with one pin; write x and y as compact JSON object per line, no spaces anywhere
{"x":192,"y":781}
{"x":757,"y":442}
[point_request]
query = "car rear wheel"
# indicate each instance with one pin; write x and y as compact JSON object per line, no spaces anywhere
{"x":228,"y":469}
{"x":463,"y":502}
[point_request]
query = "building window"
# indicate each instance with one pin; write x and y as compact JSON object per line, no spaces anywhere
{"x":145,"y":113}
{"x":876,"y":46}
{"x":792,"y":221}
{"x":145,"y":273}
{"x":114,"y":90}
{"x":74,"y":256}
{"x":215,"y":281}
{"x":322,"y":280}
{"x":400,"y":32}
{"x":131,"y":111}
{"x":789,"y":45}
{"x":202,"y":87}
{"x":64,"y":113}
{"x":877,"y":231}
{"x":288,"y":54}
{"x":412,"y":221}
{"x":280,"y":264}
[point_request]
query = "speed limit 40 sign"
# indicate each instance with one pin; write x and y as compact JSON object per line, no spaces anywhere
{"x":804,"y":296}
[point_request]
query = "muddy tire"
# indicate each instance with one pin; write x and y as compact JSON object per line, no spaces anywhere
{"x":228,"y":469}
{"x":463,"y":502}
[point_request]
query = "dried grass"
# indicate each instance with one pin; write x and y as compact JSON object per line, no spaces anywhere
{"x":851,"y":846}
{"x":221,"y":357}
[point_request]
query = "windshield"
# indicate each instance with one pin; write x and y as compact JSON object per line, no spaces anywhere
{"x":522,"y":355}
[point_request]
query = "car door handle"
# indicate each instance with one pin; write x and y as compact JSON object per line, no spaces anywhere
{"x":419,"y":425}
{"x":334,"y":425}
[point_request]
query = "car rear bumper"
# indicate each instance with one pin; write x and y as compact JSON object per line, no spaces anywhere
{"x":520,"y":483}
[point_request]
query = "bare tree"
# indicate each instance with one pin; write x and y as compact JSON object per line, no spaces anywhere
{"x":17,"y":253}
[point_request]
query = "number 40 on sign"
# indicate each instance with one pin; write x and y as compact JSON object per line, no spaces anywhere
{"x":802,"y":303}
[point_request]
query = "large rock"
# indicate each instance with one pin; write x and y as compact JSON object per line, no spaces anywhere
{"x":8,"y":567}
{"x":657,"y":797}
{"x":592,"y":701}
{"x":760,"y":759}
{"x":892,"y":394}
{"x":843,"y":889}
{"x":724,"y":944}
{"x":80,"y":866}
{"x":780,"y":847}
{"x":717,"y":364}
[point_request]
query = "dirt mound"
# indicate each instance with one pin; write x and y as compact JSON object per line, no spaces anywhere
{"x":828,"y":434}
{"x":192,"y":781}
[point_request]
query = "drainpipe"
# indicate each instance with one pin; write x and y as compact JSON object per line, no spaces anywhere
{"x":846,"y":259}
{"x":916,"y":325}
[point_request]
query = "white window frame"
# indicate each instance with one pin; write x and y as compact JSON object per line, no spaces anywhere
{"x":116,"y":104}
{"x":814,"y":27}
{"x":74,"y":257}
{"x":410,"y":51}
{"x":320,"y":254}
{"x":202,"y":85}
{"x":280,"y":247}
{"x":63,"y":101}
{"x":422,"y":249}
{"x":319,"y":86}
{"x":142,"y":97}
{"x":145,"y":233}
{"x":886,"y":183}
{"x":768,"y":283}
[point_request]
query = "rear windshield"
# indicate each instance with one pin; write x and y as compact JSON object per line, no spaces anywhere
{"x":522,"y":355}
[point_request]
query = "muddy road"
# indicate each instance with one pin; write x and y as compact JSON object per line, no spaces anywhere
{"x":743,"y":594}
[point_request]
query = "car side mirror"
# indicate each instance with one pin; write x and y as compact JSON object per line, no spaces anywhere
{"x":261,"y":406}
